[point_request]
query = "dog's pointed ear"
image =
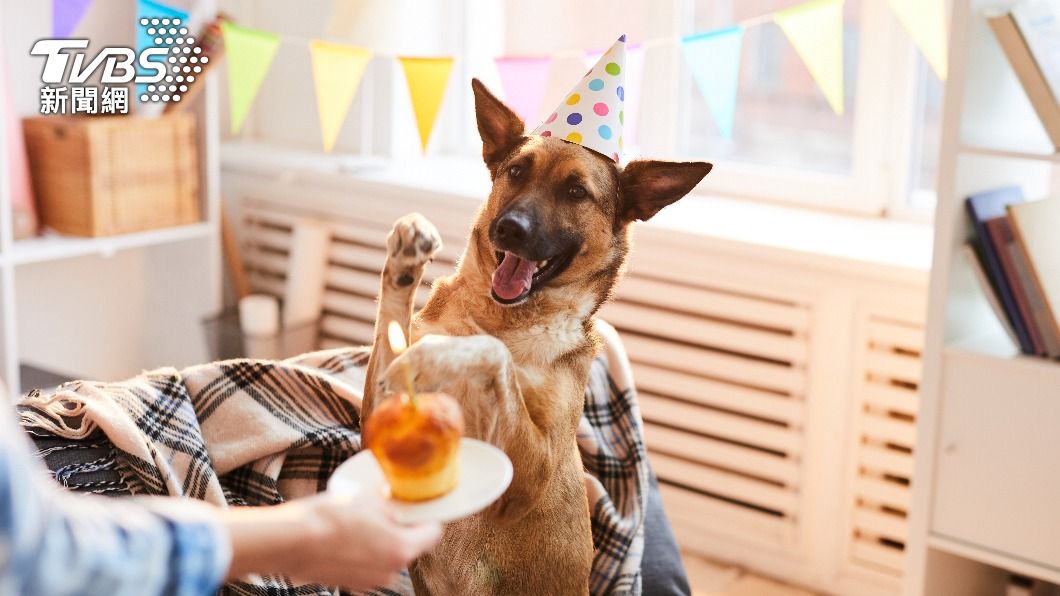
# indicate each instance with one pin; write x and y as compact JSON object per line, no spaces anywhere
{"x":648,"y":185}
{"x":500,"y":128}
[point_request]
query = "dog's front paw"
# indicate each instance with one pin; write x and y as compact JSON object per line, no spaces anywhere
{"x":440,"y":362}
{"x":412,"y":244}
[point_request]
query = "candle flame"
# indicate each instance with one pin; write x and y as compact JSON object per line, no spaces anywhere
{"x":398,"y":345}
{"x":396,"y":337}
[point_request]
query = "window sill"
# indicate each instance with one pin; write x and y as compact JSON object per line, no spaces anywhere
{"x":905,"y":245}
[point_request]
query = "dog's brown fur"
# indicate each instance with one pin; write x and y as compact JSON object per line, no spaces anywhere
{"x":519,"y":371}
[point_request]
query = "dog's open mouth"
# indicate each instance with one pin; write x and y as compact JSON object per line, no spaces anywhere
{"x":516,"y":278}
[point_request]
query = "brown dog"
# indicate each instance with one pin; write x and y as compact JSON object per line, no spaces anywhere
{"x":511,"y":336}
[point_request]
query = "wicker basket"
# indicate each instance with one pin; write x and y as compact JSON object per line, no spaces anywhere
{"x":113,"y":175}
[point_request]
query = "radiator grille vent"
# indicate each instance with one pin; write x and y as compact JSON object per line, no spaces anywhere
{"x":356,"y":258}
{"x":888,"y":381}
{"x":721,"y":377}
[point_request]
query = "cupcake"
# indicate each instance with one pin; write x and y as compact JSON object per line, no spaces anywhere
{"x":417,"y":444}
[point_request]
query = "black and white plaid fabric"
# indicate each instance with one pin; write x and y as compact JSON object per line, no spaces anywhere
{"x":246,"y":432}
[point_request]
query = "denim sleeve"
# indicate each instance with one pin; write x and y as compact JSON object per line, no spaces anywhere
{"x":55,"y":543}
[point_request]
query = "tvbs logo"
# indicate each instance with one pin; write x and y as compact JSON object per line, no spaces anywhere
{"x":119,"y":64}
{"x":162,"y":70}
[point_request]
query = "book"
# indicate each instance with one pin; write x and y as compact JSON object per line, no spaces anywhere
{"x":1001,"y":237}
{"x":1040,"y":317}
{"x":975,"y":262}
{"x":1028,"y":34}
{"x":983,"y":207}
{"x":1035,"y":225}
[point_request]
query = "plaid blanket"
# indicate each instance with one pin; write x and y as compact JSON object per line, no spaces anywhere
{"x":250,"y":432}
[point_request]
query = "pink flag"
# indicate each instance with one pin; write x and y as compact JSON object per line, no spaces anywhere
{"x":524,"y":80}
{"x":24,"y":218}
{"x":634,"y":76}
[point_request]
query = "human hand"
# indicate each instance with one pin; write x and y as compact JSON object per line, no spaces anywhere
{"x":348,"y":540}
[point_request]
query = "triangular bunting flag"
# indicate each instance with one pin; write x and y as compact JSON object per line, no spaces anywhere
{"x":149,"y":15}
{"x":634,"y":77}
{"x":66,"y":14}
{"x":816,"y":30}
{"x":427,"y":79}
{"x":249,"y":53}
{"x":337,"y":72}
{"x":523,"y":79}
{"x":926,"y":22}
{"x":714,"y":58}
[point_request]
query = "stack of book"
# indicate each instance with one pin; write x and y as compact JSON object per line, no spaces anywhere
{"x":1029,"y":34}
{"x":1016,"y":256}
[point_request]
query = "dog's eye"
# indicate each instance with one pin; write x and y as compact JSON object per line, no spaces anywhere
{"x":578,"y":192}
{"x":515,"y":171}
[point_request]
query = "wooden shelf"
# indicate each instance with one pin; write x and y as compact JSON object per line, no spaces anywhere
{"x":999,"y":348}
{"x":51,"y":247}
{"x":1010,"y":153}
{"x":993,"y":558}
{"x":984,"y":502}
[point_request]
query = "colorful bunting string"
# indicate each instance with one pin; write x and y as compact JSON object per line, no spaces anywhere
{"x":814,"y":28}
{"x":250,"y":53}
{"x":427,"y":80}
{"x":337,"y":73}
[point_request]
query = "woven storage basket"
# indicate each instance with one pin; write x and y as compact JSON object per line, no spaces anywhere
{"x":99,"y":176}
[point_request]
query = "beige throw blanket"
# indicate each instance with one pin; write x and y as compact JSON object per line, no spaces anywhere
{"x":247,"y":432}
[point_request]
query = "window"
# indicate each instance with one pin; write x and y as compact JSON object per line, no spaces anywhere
{"x":878,"y":158}
{"x":779,"y":105}
{"x":924,"y":158}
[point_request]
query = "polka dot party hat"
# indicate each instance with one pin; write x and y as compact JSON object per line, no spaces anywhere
{"x":591,"y":114}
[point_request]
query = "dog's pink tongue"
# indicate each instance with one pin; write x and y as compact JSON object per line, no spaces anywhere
{"x":513,"y":276}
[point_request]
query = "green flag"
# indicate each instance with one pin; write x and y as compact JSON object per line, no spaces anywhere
{"x":250,"y":53}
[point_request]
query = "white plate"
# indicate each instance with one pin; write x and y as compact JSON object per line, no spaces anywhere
{"x":485,"y":473}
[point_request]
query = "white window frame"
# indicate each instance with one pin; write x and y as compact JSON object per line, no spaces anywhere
{"x":878,"y":184}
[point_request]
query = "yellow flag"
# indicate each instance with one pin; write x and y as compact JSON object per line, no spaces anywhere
{"x":926,"y":22}
{"x":337,"y":72}
{"x":427,"y":79}
{"x":816,"y":30}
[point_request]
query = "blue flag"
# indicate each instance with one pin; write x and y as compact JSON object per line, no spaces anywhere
{"x":714,"y":59}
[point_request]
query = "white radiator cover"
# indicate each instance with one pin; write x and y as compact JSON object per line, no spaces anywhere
{"x":779,"y":391}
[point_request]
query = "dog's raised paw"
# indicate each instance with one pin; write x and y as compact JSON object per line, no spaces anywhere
{"x":412,"y":244}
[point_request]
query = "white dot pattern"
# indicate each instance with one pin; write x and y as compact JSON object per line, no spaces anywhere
{"x":168,"y":32}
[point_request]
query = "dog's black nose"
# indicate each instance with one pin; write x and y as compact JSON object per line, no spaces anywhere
{"x":513,"y":228}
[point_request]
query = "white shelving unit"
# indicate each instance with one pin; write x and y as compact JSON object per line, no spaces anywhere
{"x":105,"y":307}
{"x":987,"y":492}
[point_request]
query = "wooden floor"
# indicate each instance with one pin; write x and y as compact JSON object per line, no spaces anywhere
{"x":709,"y":578}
